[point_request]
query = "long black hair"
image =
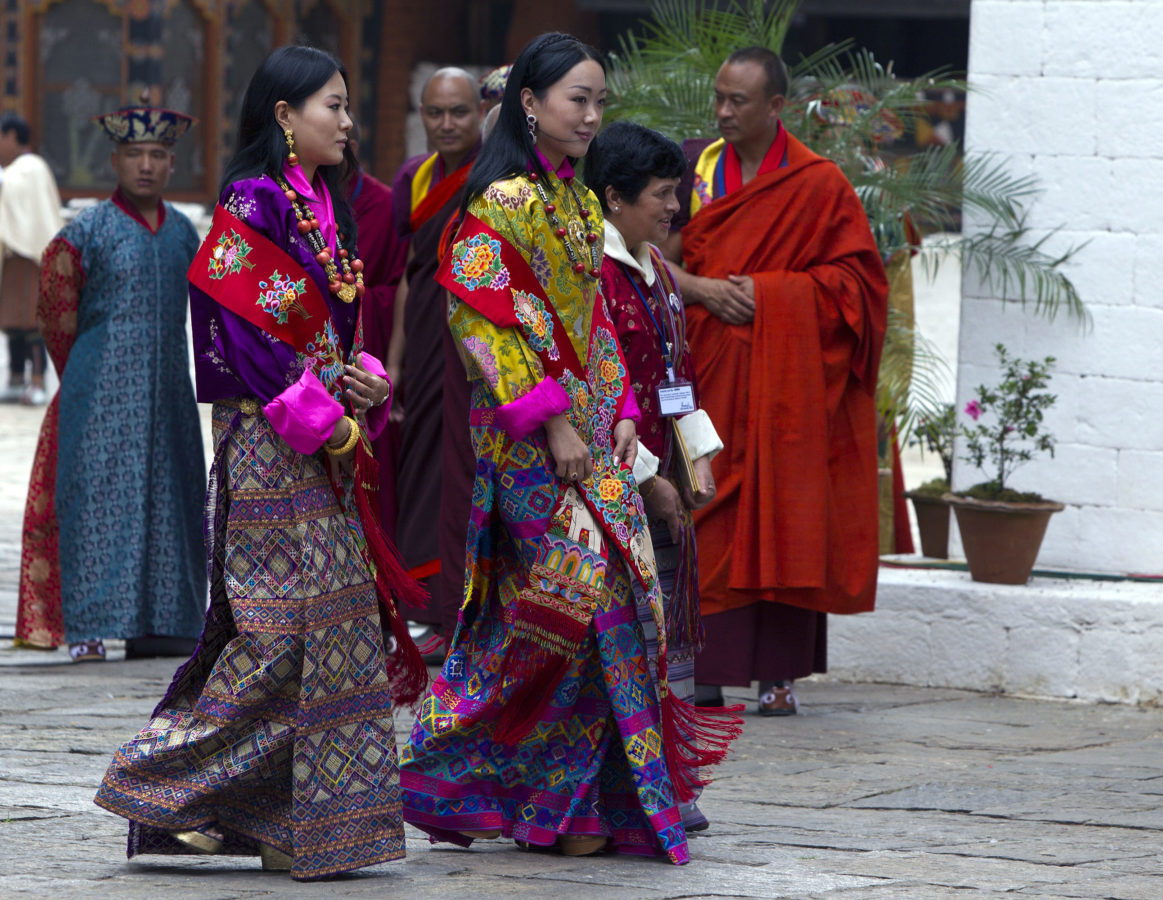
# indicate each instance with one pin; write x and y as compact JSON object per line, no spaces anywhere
{"x":508,"y":151}
{"x":292,"y":74}
{"x":625,"y":156}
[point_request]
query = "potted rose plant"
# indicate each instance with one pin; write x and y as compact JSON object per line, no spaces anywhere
{"x":934,"y":433}
{"x":1002,"y":529}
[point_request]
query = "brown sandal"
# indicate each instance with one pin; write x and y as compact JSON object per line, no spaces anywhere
{"x":778,"y":700}
{"x":87,"y":651}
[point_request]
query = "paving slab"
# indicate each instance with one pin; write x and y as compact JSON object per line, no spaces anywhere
{"x":871,"y":792}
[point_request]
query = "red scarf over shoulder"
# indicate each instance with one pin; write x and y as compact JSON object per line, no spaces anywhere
{"x":795,"y":519}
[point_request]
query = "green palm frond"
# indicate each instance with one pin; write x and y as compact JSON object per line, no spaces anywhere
{"x":665,"y":78}
{"x":1021,"y":270}
{"x":912,"y":372}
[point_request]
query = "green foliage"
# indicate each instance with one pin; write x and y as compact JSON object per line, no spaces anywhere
{"x":665,"y":78}
{"x":911,"y":372}
{"x":934,"y":487}
{"x":1017,"y":408}
{"x":934,"y":432}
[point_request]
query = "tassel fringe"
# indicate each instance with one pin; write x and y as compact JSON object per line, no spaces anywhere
{"x":684,"y":622}
{"x":406,"y":670}
{"x":695,"y":738}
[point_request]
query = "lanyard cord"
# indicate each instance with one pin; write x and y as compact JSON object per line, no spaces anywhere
{"x":664,"y":344}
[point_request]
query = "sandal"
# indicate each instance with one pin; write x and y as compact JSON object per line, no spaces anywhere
{"x":207,"y":842}
{"x":490,"y":835}
{"x":581,"y":844}
{"x":273,"y":859}
{"x":778,"y":700}
{"x":87,"y":651}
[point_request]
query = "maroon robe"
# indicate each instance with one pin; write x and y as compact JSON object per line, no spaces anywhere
{"x":383,"y":252}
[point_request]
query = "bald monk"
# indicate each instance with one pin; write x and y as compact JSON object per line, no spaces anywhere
{"x":786,"y":317}
{"x":436,"y":463}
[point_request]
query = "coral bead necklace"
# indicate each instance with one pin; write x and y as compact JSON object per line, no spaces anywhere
{"x":562,"y":232}
{"x":346,"y":286}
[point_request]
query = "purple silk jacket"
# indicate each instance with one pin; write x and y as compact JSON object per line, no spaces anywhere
{"x":233,"y":358}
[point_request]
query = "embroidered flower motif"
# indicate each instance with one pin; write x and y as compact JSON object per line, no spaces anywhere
{"x":240,"y":206}
{"x":280,"y":296}
{"x":610,"y":489}
{"x":536,"y":323}
{"x":476,"y":263}
{"x":703,"y":190}
{"x":608,"y":369}
{"x":539,"y":263}
{"x":325,"y":359}
{"x":479,"y":349}
{"x":229,"y":255}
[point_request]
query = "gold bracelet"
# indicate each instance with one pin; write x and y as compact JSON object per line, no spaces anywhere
{"x":349,"y":444}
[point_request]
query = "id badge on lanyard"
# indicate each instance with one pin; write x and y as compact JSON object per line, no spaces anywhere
{"x":675,"y":398}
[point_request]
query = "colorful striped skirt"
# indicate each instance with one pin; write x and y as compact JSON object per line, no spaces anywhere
{"x":591,"y":766}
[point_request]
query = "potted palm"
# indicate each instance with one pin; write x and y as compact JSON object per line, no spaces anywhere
{"x":1002,"y":529}
{"x":934,"y":433}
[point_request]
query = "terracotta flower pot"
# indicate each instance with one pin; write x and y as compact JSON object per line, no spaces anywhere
{"x":1001,"y":540}
{"x":932,"y":511}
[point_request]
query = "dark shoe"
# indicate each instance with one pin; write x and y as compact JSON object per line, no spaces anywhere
{"x":159,"y":645}
{"x":693,"y":818}
{"x":490,"y":835}
{"x":778,"y":700}
{"x":87,"y":651}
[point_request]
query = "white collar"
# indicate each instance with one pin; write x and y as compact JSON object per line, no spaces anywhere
{"x":638,"y":259}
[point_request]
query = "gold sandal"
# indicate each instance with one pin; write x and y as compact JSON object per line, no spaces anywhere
{"x":581,"y":844}
{"x":199,"y":841}
{"x":273,"y":859}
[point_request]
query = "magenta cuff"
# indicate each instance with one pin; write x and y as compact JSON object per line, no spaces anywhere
{"x":523,"y":416}
{"x":630,"y":408}
{"x":304,"y":415}
{"x":377,"y":417}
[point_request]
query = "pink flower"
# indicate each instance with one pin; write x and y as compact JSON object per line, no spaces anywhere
{"x":973,"y":410}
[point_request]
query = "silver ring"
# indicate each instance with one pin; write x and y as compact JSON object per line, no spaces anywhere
{"x":573,"y":476}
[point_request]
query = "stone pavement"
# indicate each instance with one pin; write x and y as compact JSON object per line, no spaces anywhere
{"x":873,"y":791}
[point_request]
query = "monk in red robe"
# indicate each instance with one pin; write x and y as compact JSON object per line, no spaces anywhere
{"x":786,"y":314}
{"x":436,"y":464}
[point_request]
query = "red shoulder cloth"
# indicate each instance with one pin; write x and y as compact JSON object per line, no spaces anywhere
{"x":244,"y":271}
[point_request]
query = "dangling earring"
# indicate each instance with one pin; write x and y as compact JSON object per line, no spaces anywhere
{"x":531,"y":120}
{"x":292,"y":157}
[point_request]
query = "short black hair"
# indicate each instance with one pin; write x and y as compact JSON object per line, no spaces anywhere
{"x":625,"y":156}
{"x":13,"y":122}
{"x":773,"y":67}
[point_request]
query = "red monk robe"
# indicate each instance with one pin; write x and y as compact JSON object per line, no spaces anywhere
{"x":383,"y":252}
{"x":795,"y":518}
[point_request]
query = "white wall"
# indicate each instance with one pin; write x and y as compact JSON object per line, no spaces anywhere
{"x":1072,"y":90}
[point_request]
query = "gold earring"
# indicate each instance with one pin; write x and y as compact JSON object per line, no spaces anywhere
{"x":292,"y":157}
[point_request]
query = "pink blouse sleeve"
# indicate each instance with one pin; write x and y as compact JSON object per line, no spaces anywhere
{"x":304,"y":415}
